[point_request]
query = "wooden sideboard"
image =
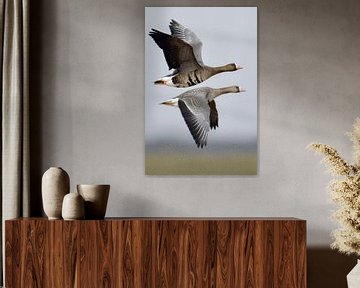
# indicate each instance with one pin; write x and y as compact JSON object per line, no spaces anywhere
{"x":156,"y":252}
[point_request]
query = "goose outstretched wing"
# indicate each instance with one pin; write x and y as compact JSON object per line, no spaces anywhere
{"x":196,"y":113}
{"x":179,"y":55}
{"x":189,"y":37}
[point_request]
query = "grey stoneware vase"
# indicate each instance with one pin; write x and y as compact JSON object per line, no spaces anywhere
{"x":55,"y":185}
{"x":96,"y":198}
{"x":73,"y":207}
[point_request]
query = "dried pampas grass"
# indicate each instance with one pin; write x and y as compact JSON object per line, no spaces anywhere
{"x":345,"y":191}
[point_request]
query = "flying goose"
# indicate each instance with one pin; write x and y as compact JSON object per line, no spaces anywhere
{"x":182,"y":51}
{"x":198,"y":109}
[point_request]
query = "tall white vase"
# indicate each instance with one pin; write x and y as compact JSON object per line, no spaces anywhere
{"x":353,"y":278}
{"x":55,"y":185}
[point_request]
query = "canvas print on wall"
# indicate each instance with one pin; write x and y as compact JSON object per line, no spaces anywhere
{"x":200,"y":91}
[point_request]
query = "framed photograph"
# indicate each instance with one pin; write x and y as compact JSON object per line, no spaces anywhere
{"x":201,"y":91}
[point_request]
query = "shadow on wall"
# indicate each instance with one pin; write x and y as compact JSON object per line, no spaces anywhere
{"x":35,"y":64}
{"x":328,"y":268}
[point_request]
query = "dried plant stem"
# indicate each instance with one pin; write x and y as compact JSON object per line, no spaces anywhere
{"x":355,"y":139}
{"x":345,"y":192}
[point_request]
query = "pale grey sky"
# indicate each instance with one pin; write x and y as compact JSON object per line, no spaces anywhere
{"x":229,"y":35}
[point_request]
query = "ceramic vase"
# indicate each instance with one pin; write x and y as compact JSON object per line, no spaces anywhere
{"x":73,"y":207}
{"x":55,"y":185}
{"x":96,"y":198}
{"x":353,"y":278}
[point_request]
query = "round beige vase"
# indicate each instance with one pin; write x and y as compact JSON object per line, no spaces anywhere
{"x":73,"y":207}
{"x":96,"y":198}
{"x":55,"y":185}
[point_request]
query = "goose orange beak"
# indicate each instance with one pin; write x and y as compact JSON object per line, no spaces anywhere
{"x":171,"y":102}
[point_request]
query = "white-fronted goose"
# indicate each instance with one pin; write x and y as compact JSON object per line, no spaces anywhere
{"x":182,"y":50}
{"x":198,"y":109}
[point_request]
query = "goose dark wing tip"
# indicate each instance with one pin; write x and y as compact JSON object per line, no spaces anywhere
{"x":214,"y":115}
{"x":173,"y":22}
{"x":201,"y":145}
{"x":214,"y":125}
{"x":153,"y":33}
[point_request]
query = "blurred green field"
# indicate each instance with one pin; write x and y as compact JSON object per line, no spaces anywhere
{"x":192,"y":164}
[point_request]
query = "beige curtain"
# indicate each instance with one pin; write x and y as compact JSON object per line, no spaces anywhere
{"x":14,"y":24}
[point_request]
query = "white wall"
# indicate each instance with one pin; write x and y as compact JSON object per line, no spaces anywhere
{"x":91,"y":108}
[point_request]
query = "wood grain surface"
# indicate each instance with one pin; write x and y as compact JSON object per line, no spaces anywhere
{"x":149,"y":252}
